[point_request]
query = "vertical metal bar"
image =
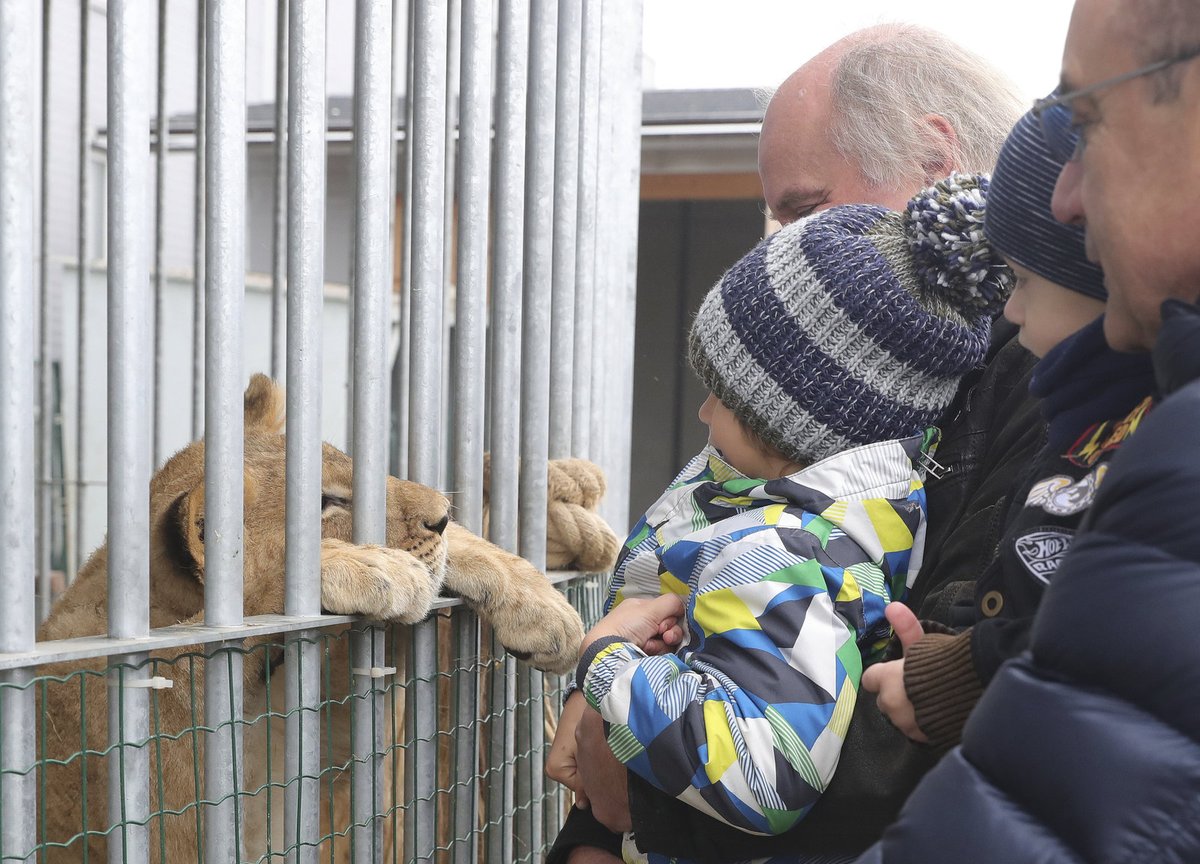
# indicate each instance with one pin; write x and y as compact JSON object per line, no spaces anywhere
{"x":469,"y":368}
{"x":372,"y":292}
{"x":17,"y":555}
{"x":566,"y":197}
{"x":198,"y":248}
{"x":306,"y":273}
{"x":128,"y":418}
{"x":428,"y":142}
{"x":225,"y":288}
{"x":279,"y":248}
{"x":453,"y":75}
{"x":75,"y":559}
{"x":509,"y":203}
{"x":535,"y":384}
{"x":620,"y":117}
{"x":586,"y":226}
{"x":45,"y":408}
{"x":401,"y":370}
{"x":160,"y":181}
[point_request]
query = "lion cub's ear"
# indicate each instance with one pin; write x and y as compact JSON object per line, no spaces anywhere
{"x":264,"y":405}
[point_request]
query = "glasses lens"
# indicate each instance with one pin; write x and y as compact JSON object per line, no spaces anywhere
{"x":1060,"y":135}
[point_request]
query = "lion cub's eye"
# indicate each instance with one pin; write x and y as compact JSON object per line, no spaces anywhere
{"x":328,"y":501}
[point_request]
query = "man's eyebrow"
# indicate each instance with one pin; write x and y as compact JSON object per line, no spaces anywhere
{"x":795,"y":196}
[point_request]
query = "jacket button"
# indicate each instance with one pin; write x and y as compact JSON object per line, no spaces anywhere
{"x":992,"y":603}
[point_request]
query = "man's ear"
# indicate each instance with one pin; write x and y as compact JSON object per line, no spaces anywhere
{"x":942,"y":149}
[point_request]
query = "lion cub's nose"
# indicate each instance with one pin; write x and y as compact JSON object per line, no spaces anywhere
{"x":439,"y":526}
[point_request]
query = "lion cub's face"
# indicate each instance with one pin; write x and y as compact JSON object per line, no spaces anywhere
{"x":416,"y":514}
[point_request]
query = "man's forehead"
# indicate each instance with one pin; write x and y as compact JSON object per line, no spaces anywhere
{"x":1098,"y":43}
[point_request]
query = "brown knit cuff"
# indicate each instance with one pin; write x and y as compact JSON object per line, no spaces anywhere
{"x":942,"y":685}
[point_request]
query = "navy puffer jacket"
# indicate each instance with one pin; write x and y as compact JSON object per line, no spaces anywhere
{"x":1088,"y":747}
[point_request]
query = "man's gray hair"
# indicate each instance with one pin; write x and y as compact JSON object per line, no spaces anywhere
{"x":1165,"y":29}
{"x":891,"y":77}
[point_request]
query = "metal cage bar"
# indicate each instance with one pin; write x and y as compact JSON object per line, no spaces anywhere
{"x":225,"y":220}
{"x":199,"y":246}
{"x":17,"y":553}
{"x":45,"y":398}
{"x":161,"y":144}
{"x":279,"y":223}
{"x":128,"y":416}
{"x":75,"y":555}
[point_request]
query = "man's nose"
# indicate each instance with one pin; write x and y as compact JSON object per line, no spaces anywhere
{"x":1067,"y":203}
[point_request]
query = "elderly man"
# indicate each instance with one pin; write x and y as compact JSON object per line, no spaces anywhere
{"x":1086,"y":749}
{"x":872,"y":120}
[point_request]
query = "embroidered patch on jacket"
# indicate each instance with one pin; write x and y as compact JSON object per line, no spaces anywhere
{"x":1103,"y":437}
{"x":1042,"y":550}
{"x":1062,"y":495}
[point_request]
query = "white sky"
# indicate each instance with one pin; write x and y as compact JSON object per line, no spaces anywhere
{"x":695,"y":44}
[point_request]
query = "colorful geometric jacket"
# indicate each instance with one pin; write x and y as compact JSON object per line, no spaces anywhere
{"x":785,"y":582}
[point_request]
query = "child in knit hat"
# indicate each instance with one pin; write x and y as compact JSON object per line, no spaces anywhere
{"x":1092,"y":397}
{"x":830,"y":350}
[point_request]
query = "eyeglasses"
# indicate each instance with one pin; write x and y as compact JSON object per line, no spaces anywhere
{"x":1055,"y":116}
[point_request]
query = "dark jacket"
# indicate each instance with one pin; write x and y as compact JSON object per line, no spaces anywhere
{"x":1088,"y":747}
{"x":992,"y":429}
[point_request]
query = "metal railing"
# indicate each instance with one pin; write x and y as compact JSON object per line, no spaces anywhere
{"x":490,"y":304}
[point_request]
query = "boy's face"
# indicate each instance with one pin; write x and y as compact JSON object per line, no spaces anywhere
{"x":1046,"y":312}
{"x":740,"y":449}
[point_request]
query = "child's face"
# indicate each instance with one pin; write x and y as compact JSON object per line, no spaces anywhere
{"x":740,"y":449}
{"x":1046,"y":312}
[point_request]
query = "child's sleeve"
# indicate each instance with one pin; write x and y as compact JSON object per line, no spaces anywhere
{"x":747,"y":723}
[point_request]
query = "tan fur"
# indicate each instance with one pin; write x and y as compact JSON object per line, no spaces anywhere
{"x":393,"y":583}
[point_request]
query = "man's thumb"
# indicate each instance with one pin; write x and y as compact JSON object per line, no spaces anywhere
{"x":904,"y":623}
{"x":666,"y":606}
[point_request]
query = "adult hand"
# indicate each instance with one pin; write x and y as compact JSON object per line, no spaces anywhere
{"x":887,"y":679}
{"x":651,"y":624}
{"x":561,"y":764}
{"x":604,"y":779}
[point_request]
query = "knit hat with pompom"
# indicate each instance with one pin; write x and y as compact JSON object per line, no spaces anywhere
{"x":854,"y":325}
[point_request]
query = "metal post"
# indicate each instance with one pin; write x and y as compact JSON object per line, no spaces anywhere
{"x":198,"y":247}
{"x":306,"y":273}
{"x":566,"y":197}
{"x":17,"y":554}
{"x":372,"y":295}
{"x":469,"y":369}
{"x":75,"y":558}
{"x":612,"y":358}
{"x":43,"y":492}
{"x":586,"y":226}
{"x":128,"y":420}
{"x":509,"y":204}
{"x":225,"y":221}
{"x":279,"y":249}
{"x":428,"y":142}
{"x":453,"y":74}
{"x":160,"y":178}
{"x":401,"y":369}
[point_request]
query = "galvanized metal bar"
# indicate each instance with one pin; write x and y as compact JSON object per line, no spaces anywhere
{"x":428,"y":142}
{"x":279,"y":247}
{"x":162,"y":137}
{"x":620,"y":117}
{"x":535,"y":382}
{"x":402,"y":368}
{"x":566,"y":214}
{"x":586,"y":226}
{"x":453,"y":75}
{"x":128,"y":417}
{"x":198,"y":241}
{"x":75,"y":557}
{"x":372,"y":293}
{"x":469,"y":368}
{"x":17,"y":552}
{"x":225,"y":286}
{"x":306,"y":272}
{"x":43,"y":492}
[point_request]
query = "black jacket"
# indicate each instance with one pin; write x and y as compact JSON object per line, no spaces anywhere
{"x":1088,"y":747}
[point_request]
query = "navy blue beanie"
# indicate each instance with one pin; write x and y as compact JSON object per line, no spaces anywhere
{"x":1018,"y":222}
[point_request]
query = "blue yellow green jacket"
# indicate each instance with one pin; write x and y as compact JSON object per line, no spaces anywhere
{"x":785,"y":582}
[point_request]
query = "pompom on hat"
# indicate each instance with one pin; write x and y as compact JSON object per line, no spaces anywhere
{"x":1019,"y":223}
{"x":854,"y":325}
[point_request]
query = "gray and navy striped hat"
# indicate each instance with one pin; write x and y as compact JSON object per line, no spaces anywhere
{"x":854,"y":325}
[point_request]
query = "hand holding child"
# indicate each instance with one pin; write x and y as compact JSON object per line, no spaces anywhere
{"x":887,"y":679}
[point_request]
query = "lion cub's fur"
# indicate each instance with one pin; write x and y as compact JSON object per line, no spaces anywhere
{"x":396,"y":582}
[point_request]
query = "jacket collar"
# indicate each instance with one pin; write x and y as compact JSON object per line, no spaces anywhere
{"x":1176,"y":353}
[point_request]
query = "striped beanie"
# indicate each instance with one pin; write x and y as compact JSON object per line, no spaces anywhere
{"x":1019,"y":224}
{"x":854,"y":325}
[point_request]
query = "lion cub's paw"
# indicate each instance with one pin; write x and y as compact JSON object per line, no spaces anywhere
{"x":376,"y":581}
{"x":540,"y":627}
